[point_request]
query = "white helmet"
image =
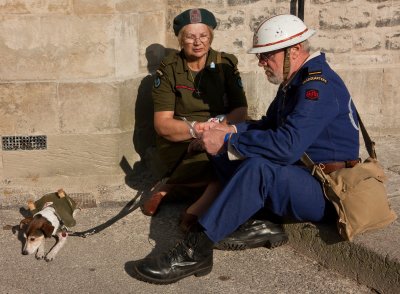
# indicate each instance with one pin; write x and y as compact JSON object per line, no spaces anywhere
{"x":279,"y":32}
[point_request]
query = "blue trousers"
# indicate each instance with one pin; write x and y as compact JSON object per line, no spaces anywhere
{"x":255,"y":183}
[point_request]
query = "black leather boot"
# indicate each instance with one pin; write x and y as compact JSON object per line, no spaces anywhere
{"x":254,"y":233}
{"x":192,"y":256}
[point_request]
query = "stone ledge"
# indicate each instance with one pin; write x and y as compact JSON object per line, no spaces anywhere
{"x":372,"y":259}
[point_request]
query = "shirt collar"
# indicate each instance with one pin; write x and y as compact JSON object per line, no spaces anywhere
{"x":210,"y":62}
{"x":296,"y":78}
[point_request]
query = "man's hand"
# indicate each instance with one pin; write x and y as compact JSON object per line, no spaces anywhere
{"x":213,"y":139}
{"x":195,"y":146}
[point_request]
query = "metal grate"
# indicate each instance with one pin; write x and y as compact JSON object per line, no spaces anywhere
{"x":12,"y":143}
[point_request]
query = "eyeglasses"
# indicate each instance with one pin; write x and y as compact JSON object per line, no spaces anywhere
{"x":265,"y":56}
{"x":191,"y":39}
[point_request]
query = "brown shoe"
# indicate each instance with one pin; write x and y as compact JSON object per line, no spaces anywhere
{"x":187,"y":221}
{"x":150,"y":206}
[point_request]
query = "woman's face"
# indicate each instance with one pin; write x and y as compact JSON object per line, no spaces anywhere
{"x":196,"y":40}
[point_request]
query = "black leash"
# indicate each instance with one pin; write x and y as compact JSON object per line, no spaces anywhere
{"x":127,"y":209}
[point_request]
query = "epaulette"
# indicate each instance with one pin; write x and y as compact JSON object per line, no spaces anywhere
{"x":167,"y":60}
{"x":313,"y":75}
{"x":232,"y":59}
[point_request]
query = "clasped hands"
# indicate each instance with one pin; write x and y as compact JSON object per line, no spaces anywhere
{"x":210,"y":137}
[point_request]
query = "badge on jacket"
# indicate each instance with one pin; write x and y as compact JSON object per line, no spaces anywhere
{"x":157,"y":82}
{"x":312,"y":94}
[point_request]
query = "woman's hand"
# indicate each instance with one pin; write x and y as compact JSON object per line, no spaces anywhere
{"x":200,"y":127}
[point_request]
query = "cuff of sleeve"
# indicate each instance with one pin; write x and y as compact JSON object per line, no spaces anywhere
{"x":233,"y":154}
{"x":227,"y":137}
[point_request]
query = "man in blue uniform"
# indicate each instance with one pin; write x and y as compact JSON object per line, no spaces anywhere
{"x":258,"y":162}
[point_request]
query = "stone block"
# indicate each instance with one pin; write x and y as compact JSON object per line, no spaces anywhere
{"x":56,"y":47}
{"x":365,"y":87}
{"x":388,"y":15}
{"x":217,"y":3}
{"x":127,"y":151}
{"x":241,"y":2}
{"x":151,"y":31}
{"x":68,"y":155}
{"x":232,"y":43}
{"x":259,"y":92}
{"x":375,"y":92}
{"x":1,"y":167}
{"x":368,"y":41}
{"x":257,"y":15}
{"x":393,"y":41}
{"x":231,"y":20}
{"x":142,"y":115}
{"x":127,"y":6}
{"x":390,"y":94}
{"x":35,"y":6}
{"x":330,"y":1}
{"x":89,"y":107}
{"x":126,"y":45}
{"x":93,"y":6}
{"x":331,"y":42}
{"x":338,"y":17}
{"x":131,"y":92}
{"x":28,"y":108}
{"x":369,"y":59}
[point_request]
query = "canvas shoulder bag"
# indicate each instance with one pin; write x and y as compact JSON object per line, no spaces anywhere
{"x":358,"y":193}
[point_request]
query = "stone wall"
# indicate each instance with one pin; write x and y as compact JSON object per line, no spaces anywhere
{"x":78,"y":71}
{"x":361,"y":39}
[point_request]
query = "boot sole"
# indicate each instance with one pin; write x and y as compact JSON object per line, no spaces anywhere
{"x":273,"y":241}
{"x":196,"y":273}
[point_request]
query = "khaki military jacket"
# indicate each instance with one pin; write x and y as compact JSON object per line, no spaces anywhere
{"x":216,"y":90}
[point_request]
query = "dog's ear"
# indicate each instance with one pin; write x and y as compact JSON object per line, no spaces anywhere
{"x":61,"y":193}
{"x":47,"y":229}
{"x":24,"y":222}
{"x":31,"y":205}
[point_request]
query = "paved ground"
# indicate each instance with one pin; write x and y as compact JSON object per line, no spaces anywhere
{"x":101,"y":263}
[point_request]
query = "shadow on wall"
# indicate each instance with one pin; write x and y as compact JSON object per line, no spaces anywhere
{"x":148,"y":170}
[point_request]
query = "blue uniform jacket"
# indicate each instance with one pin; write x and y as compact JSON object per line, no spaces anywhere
{"x":314,"y":113}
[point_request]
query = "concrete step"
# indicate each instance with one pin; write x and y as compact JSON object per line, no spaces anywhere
{"x":373,"y":258}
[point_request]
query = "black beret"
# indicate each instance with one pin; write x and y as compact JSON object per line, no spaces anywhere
{"x":197,"y":15}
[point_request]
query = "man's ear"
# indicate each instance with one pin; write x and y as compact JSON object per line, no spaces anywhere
{"x":295,"y":50}
{"x":47,"y":230}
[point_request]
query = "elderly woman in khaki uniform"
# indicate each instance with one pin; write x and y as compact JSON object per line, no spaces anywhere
{"x":197,"y":84}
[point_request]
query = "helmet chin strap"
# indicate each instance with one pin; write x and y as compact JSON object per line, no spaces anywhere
{"x":286,"y":65}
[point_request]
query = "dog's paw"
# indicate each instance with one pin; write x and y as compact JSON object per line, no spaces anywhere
{"x":39,"y":255}
{"x":49,"y":257}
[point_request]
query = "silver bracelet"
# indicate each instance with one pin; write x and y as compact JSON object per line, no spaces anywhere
{"x":192,"y":131}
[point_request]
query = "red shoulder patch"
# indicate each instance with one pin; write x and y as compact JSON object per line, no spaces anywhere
{"x":312,"y":94}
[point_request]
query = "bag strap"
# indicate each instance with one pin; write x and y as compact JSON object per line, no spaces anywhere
{"x":221,"y":69}
{"x":369,"y":144}
{"x":318,"y":172}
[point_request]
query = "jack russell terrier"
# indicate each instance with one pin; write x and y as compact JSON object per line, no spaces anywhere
{"x":52,"y":214}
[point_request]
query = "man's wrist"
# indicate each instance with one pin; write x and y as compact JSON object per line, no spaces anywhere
{"x":227,"y":137}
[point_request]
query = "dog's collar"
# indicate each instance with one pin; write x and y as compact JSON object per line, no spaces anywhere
{"x":50,"y":214}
